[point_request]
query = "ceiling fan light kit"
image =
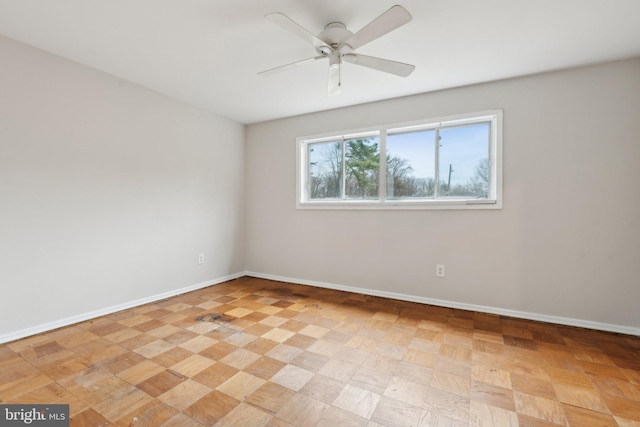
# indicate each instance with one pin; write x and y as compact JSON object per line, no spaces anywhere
{"x":338,"y":44}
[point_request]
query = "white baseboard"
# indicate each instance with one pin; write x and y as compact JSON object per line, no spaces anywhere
{"x":38,"y":329}
{"x":45,"y":327}
{"x":463,"y":306}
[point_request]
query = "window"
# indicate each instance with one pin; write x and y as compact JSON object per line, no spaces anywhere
{"x":452,"y":163}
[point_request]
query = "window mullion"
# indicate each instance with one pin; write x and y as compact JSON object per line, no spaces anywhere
{"x":436,"y":174}
{"x":382,"y":171}
{"x":307,"y":173}
{"x":343,"y":190}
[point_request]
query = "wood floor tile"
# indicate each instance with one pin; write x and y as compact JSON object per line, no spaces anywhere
{"x":451,"y":383}
{"x":390,"y":350}
{"x":179,"y":336}
{"x":314,"y":331}
{"x":271,"y":397}
{"x":491,"y":376}
{"x":288,"y":355}
{"x":292,"y":377}
{"x":184,"y":394}
{"x":381,"y":363}
{"x":570,"y":378}
{"x":64,"y":368}
{"x":140,"y":372}
{"x":598,"y":370}
{"x":218,"y":350}
{"x":623,"y":407}
{"x":211,"y":407}
{"x":431,"y":419}
{"x":351,"y":355}
{"x":118,"y":404}
{"x":483,"y":415}
{"x":339,"y":369}
{"x":152,"y":414}
{"x":407,"y":391}
{"x":154,"y":348}
{"x":414,"y":373}
{"x":617,"y":388}
{"x":198,"y":343}
{"x":89,"y":417}
{"x":246,"y":416}
{"x":300,"y":341}
{"x":323,"y":388}
{"x":50,"y":393}
{"x":425,"y":345}
{"x":448,"y":404}
{"x":171,"y":357}
{"x":453,"y":366}
{"x":533,"y":386}
{"x":492,"y":395}
{"x":375,"y":381}
{"x":585,"y":417}
{"x":580,"y":397}
{"x":310,"y":361}
{"x":326,"y":348}
{"x":10,"y":391}
{"x":161,"y":382}
{"x":302,"y":410}
{"x":539,"y":407}
{"x":105,"y":389}
{"x":419,"y":357}
{"x":394,"y":413}
{"x":20,"y":345}
{"x":265,"y":367}
{"x":241,"y":385}
{"x":122,"y":362}
{"x":333,"y":417}
{"x":623,"y":422}
{"x":529,"y":421}
{"x":358,"y":401}
{"x":240,"y":358}
{"x":262,"y":346}
{"x":278,"y":335}
{"x":455,"y":352}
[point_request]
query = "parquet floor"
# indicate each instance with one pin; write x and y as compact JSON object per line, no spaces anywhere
{"x":252,"y":352}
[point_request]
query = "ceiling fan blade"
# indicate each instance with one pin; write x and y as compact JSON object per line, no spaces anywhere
{"x":334,"y":85}
{"x":393,"y":18}
{"x":398,"y":68}
{"x":289,"y":66}
{"x":288,"y":24}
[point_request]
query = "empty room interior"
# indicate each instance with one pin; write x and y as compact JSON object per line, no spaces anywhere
{"x":288,"y":213}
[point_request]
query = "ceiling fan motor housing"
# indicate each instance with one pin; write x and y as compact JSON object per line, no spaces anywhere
{"x":334,"y":34}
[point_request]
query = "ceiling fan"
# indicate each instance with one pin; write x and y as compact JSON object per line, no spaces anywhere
{"x":338,"y":44}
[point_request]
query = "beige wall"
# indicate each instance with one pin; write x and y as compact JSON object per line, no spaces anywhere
{"x":566,"y":245}
{"x":108,"y":192}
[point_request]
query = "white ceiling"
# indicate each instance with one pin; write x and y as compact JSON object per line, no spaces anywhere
{"x":207,"y":52}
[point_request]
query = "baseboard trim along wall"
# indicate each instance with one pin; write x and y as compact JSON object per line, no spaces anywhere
{"x":45,"y":327}
{"x":463,"y":306}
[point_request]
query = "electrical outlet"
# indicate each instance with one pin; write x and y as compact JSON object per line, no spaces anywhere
{"x":439,"y":270}
{"x":200,"y":258}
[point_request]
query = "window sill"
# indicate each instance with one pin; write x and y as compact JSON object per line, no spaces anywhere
{"x":450,"y":204}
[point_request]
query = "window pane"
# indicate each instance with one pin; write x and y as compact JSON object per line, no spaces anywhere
{"x":464,"y":161}
{"x":325,"y":170}
{"x":410,"y":164}
{"x":362,"y":159}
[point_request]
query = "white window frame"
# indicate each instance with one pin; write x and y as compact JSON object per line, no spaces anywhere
{"x":493,"y":201}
